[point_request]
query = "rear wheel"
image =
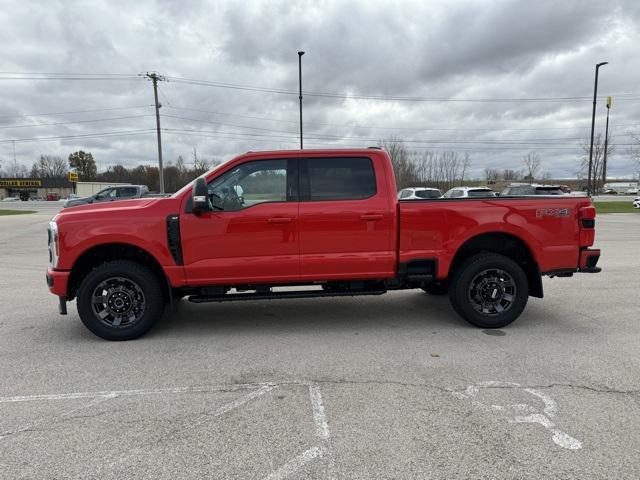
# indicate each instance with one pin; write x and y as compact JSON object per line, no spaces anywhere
{"x":489,"y":290}
{"x":120,"y":300}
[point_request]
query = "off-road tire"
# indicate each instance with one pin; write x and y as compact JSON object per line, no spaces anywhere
{"x":136,"y":278}
{"x":469,"y":275}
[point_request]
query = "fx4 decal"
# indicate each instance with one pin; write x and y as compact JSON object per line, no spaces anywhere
{"x":553,"y":212}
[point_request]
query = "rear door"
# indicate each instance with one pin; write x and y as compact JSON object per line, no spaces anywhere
{"x":346,"y":219}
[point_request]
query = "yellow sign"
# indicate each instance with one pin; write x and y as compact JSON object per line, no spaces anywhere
{"x":20,"y":183}
{"x":73,"y":177}
{"x":608,"y":102}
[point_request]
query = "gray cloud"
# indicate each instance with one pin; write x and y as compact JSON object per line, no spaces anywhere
{"x":443,"y":49}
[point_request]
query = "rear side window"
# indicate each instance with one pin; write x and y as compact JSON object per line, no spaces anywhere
{"x":127,"y":192}
{"x":481,"y":193}
{"x":428,"y":194}
{"x":340,"y":178}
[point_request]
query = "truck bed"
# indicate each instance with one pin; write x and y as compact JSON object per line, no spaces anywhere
{"x":548,"y":225}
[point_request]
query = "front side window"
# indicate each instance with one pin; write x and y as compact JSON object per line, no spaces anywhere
{"x":340,"y":178}
{"x":106,"y":193}
{"x":249,"y":184}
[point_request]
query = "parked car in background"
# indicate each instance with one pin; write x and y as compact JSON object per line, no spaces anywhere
{"x":632,"y":191}
{"x":11,"y":199}
{"x":466,"y":192}
{"x":517,"y":189}
{"x":610,"y":191}
{"x":636,"y":203}
{"x":418,"y":193}
{"x":110,"y":194}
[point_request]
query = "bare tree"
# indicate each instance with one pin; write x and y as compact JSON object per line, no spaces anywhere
{"x":49,"y":166}
{"x":404,"y":168}
{"x":634,"y":151}
{"x":491,"y":174}
{"x":508,"y":174}
{"x":532,"y":163}
{"x":14,"y":170}
{"x":598,"y":158}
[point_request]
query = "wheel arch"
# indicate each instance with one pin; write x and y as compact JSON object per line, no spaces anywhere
{"x":505,"y":244}
{"x":105,"y":252}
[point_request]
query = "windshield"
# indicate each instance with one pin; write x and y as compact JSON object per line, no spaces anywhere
{"x":190,"y":184}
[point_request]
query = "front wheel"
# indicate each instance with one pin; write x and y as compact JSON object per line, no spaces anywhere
{"x":120,"y":300}
{"x":489,"y":290}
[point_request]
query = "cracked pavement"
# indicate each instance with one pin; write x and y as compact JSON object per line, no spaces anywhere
{"x":182,"y":403}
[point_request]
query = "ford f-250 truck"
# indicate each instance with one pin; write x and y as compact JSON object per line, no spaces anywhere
{"x":326,"y":218}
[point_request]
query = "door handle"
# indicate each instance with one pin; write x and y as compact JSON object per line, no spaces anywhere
{"x":370,"y":217}
{"x":279,"y":220}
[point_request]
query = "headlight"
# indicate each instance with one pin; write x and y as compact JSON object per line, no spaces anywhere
{"x":54,"y":248}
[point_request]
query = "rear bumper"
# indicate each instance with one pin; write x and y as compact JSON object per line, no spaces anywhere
{"x":588,"y":260}
{"x":58,"y":281}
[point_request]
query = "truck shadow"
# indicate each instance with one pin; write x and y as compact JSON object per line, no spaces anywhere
{"x":397,"y":310}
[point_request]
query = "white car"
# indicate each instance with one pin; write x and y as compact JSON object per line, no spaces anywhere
{"x":467,"y":192}
{"x":418,"y":193}
{"x":11,"y":199}
{"x":636,"y":203}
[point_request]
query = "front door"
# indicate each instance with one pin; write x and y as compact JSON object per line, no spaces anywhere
{"x":251,"y":235}
{"x":346,"y":220}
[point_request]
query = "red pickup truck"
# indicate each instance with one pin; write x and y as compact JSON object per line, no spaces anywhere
{"x":269,"y":225}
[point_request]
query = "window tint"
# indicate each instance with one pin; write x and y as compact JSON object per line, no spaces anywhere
{"x":125,"y":192}
{"x":250,"y":184}
{"x":405,"y":193}
{"x":428,"y":194}
{"x":340,"y":178}
{"x":106,"y":193}
{"x":481,"y":193}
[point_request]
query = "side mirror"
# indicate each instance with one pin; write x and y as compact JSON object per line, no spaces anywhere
{"x":200,"y":196}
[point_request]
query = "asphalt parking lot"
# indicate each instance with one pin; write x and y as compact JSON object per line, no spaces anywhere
{"x":395,"y":386}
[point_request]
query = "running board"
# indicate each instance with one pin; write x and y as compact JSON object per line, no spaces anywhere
{"x":232,"y":297}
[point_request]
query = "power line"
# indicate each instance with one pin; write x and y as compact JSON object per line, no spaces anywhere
{"x":75,"y":111}
{"x":88,"y":135}
{"x":74,"y":122}
{"x":234,"y":86}
{"x":435,"y":143}
{"x":378,"y":127}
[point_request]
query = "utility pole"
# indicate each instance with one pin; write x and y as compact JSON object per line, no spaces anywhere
{"x":154,"y":77}
{"x":593,"y":124}
{"x":606,"y":142}
{"x":300,"y":91}
{"x":15,"y":163}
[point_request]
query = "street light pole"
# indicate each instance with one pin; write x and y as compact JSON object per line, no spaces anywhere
{"x":300,"y":91}
{"x":606,"y":143}
{"x":593,"y":124}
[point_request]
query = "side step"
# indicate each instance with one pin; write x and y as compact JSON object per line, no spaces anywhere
{"x":232,"y":297}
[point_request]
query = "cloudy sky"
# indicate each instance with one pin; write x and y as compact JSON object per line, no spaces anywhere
{"x":494,"y":79}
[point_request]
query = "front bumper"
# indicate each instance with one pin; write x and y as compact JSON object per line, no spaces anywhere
{"x":58,"y":281}
{"x":588,"y":260}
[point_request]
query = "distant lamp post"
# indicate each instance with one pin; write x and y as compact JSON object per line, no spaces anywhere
{"x":300,"y":91}
{"x":593,"y":124}
{"x":606,"y":143}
